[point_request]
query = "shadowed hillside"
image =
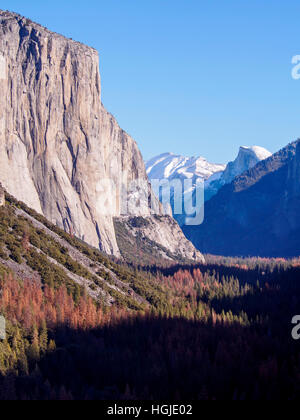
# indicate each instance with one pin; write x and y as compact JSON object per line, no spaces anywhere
{"x":258,"y":213}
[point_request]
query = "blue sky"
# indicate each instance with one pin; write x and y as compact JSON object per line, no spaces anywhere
{"x":192,"y":77}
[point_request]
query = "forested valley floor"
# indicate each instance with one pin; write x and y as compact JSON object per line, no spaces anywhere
{"x":216,"y":331}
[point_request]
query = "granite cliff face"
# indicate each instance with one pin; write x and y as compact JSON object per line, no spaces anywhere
{"x":258,"y":213}
{"x":57,"y":141}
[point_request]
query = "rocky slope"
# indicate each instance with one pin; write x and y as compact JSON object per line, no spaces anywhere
{"x":58,"y":144}
{"x":152,"y":241}
{"x":258,"y":213}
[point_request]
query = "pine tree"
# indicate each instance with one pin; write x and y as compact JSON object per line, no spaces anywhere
{"x":34,"y":348}
{"x":43,"y":337}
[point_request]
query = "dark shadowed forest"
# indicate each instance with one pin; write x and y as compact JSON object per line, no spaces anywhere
{"x":217,"y":331}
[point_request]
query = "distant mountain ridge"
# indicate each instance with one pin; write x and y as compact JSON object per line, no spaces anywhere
{"x":257,"y":214}
{"x":176,"y":167}
{"x":170,"y":166}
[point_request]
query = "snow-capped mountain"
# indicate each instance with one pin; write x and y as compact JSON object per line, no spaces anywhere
{"x":170,"y":166}
{"x":247,"y":158}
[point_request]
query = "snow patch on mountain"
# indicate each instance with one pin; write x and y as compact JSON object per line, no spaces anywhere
{"x":175,"y":167}
{"x":170,"y":166}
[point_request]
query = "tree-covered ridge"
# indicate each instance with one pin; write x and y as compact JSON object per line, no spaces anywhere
{"x":32,"y":242}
